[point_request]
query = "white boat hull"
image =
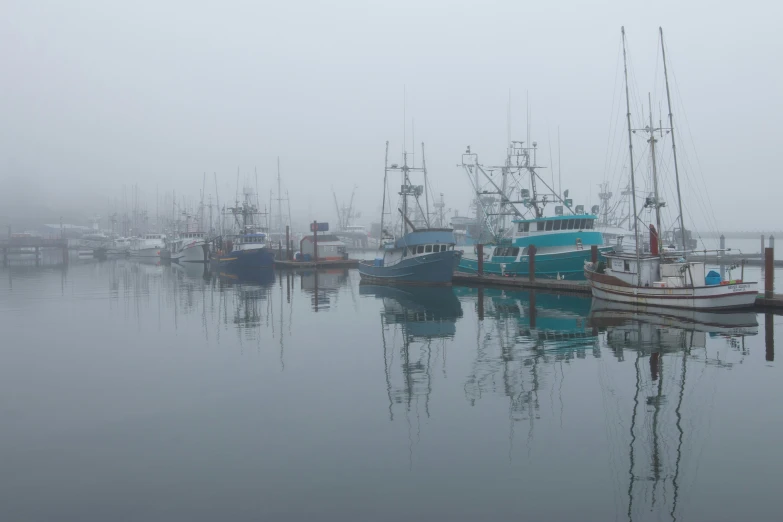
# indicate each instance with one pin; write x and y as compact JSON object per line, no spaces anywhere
{"x":715,"y":297}
{"x":193,"y":253}
{"x":146,"y":252}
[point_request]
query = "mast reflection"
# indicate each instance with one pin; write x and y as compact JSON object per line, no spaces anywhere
{"x":412,"y":320}
{"x":661,"y":419}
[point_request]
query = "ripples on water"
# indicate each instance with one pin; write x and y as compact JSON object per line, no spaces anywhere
{"x":142,"y":392}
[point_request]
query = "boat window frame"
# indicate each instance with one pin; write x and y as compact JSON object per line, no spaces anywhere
{"x":558,"y":223}
{"x":420,"y":249}
{"x":549,"y":225}
{"x":428,"y":249}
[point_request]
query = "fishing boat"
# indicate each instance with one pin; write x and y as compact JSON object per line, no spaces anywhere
{"x":562,"y":241}
{"x":147,"y":246}
{"x":248,"y":248}
{"x":662,"y":277}
{"x":414,"y":253}
{"x":192,"y":248}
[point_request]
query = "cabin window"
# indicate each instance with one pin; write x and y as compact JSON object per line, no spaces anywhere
{"x":589,"y":224}
{"x":581,"y":224}
{"x":540,"y":225}
{"x":411,"y":251}
{"x":420,"y":249}
{"x":443,"y":248}
{"x":571,"y":224}
{"x":627,"y":266}
{"x":524,"y":227}
{"x":557,"y":225}
{"x":549,"y":225}
{"x":428,"y":249}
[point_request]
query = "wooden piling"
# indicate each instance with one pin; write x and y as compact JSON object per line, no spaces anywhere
{"x":531,"y":253}
{"x":769,"y":335}
{"x":287,"y":244}
{"x":594,"y":253}
{"x":315,"y":246}
{"x":762,"y":243}
{"x":769,"y":273}
{"x":480,"y":253}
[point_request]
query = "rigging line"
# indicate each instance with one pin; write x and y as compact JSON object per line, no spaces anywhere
{"x":681,"y":106}
{"x":611,"y":113}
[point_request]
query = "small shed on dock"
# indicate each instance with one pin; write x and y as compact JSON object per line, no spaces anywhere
{"x":330,"y":247}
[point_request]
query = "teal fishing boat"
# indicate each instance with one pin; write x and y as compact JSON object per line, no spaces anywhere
{"x":515,"y":218}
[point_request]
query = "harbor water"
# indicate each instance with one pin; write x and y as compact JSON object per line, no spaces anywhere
{"x":135,"y":391}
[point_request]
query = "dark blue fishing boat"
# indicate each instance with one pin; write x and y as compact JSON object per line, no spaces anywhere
{"x":246,"y":250}
{"x":415,"y":253}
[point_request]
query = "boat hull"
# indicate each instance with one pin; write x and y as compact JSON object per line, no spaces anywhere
{"x":566,"y":265}
{"x":194,"y":253}
{"x":431,"y":269}
{"x":715,"y":297}
{"x":247,"y":259}
{"x":151,"y":252}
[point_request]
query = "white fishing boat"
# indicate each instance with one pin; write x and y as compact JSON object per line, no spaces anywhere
{"x":192,"y":248}
{"x":147,"y":246}
{"x":662,"y":277}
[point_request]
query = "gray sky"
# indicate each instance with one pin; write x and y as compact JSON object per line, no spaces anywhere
{"x":98,"y":94}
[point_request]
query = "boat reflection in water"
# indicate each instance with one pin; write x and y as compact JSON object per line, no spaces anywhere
{"x":663,"y":439}
{"x":522,"y":337}
{"x":251,"y":290}
{"x":415,"y":323}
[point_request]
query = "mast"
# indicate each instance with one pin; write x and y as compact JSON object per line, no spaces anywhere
{"x":279,"y":203}
{"x":426,"y":196}
{"x":655,"y":180}
{"x":674,"y":147}
{"x":630,"y":151}
{"x":383,"y":204}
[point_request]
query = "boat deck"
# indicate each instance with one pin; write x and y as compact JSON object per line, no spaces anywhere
{"x":578,"y":287}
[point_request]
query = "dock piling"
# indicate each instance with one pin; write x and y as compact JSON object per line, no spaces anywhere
{"x":769,"y":273}
{"x":315,"y":244}
{"x":480,"y":254}
{"x":762,"y":244}
{"x":287,"y":244}
{"x":594,"y":253}
{"x":531,"y":252}
{"x":771,"y":241}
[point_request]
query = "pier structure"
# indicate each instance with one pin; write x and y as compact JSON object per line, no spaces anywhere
{"x":32,"y":244}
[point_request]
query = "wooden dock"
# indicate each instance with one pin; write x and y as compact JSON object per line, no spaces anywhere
{"x":337,"y":263}
{"x":552,"y":285}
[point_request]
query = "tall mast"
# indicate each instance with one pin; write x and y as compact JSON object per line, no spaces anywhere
{"x":279,"y":203}
{"x":674,"y":147}
{"x":383,"y":204}
{"x":655,"y":179}
{"x":426,"y":197}
{"x":630,"y":151}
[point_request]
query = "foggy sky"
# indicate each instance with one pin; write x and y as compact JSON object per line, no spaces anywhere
{"x":99,"y":94}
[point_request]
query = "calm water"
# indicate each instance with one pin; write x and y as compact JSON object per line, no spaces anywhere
{"x":134,"y":392}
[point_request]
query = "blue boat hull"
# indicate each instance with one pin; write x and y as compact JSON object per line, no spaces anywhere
{"x":248,"y":259}
{"x":430,"y":269}
{"x":567,"y":265}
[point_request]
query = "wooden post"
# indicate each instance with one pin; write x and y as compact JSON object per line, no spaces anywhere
{"x":594,"y":254}
{"x":287,"y":244}
{"x":531,"y":254}
{"x":315,"y":245}
{"x":480,"y":253}
{"x":481,"y":303}
{"x":771,"y":241}
{"x":762,"y":244}
{"x":769,"y":335}
{"x":769,"y":273}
